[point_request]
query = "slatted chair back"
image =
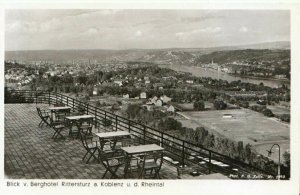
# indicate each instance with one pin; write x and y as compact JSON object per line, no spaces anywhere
{"x":151,"y":161}
{"x":44,"y":117}
{"x":86,"y":140}
{"x":90,"y":145}
{"x":111,"y":161}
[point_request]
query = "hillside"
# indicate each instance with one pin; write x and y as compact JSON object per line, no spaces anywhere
{"x":180,"y":56}
{"x":222,"y":57}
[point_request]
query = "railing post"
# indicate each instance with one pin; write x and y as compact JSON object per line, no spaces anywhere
{"x":55,"y":98}
{"x":144,"y":134}
{"x":116,"y":122}
{"x":73,"y":104}
{"x":87,"y":109}
{"x":209,"y":159}
{"x":182,"y":153}
{"x":49,"y":101}
{"x":35,"y":96}
{"x":104,"y":120}
{"x":129,"y":126}
{"x":161,"y":139}
{"x":96,"y":123}
{"x":67,"y":101}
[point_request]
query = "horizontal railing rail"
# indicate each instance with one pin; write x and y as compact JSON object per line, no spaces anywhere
{"x":178,"y":150}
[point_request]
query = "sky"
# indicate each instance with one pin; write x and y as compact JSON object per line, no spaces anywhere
{"x":142,"y":29}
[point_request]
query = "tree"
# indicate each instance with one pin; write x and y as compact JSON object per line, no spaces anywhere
{"x":287,"y":158}
{"x":171,"y":124}
{"x":267,"y":112}
{"x":285,"y":117}
{"x":220,"y":105}
{"x":199,"y":105}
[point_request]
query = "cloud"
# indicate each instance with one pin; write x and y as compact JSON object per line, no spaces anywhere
{"x":208,"y":30}
{"x":32,"y":26}
{"x":13,"y":27}
{"x":138,"y":33}
{"x":91,"y":31}
{"x":198,"y":19}
{"x":243,"y":29}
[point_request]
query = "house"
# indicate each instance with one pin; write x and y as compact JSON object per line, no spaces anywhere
{"x":95,"y":92}
{"x":126,"y":96}
{"x":153,"y":100}
{"x":158,"y":103}
{"x":143,"y":95}
{"x":171,"y":109}
{"x":189,"y":81}
{"x":165,"y":99}
{"x":118,"y":82}
{"x":147,"y":82}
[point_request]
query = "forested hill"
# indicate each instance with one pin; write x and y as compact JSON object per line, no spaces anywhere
{"x":250,"y":55}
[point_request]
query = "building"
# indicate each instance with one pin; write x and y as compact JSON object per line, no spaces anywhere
{"x":95,"y":92}
{"x":165,"y":99}
{"x":126,"y":96}
{"x":143,"y":95}
{"x":118,"y":82}
{"x":171,"y":109}
{"x":189,"y":81}
{"x":158,"y":103}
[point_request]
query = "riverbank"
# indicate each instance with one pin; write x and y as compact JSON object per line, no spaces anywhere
{"x":205,"y":72}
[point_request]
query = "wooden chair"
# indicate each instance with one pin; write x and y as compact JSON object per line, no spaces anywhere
{"x":44,"y":115}
{"x":112,"y":161}
{"x":86,"y":125}
{"x":58,"y":127}
{"x":90,"y":145}
{"x":150,"y":165}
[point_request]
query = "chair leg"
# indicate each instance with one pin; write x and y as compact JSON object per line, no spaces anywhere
{"x":40,"y":123}
{"x":92,"y":154}
{"x":85,"y":155}
{"x":104,"y":174}
{"x":58,"y":133}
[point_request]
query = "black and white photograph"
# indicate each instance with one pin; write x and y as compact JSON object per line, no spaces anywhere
{"x":147,"y":95}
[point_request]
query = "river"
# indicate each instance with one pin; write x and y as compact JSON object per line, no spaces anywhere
{"x":205,"y":72}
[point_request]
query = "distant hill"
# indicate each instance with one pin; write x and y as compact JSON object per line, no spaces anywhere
{"x":184,"y":56}
{"x":222,"y":57}
{"x":283,"y":45}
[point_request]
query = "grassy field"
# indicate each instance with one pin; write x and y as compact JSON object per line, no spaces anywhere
{"x":244,"y":125}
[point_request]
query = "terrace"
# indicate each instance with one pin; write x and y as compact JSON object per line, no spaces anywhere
{"x":31,"y":153}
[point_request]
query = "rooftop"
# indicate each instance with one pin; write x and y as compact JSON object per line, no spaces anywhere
{"x":30,"y":153}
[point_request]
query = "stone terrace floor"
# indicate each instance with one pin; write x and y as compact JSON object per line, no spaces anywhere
{"x":30,"y":153}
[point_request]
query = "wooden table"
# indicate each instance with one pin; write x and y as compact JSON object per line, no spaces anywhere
{"x":60,"y":109}
{"x":135,"y":150}
{"x":142,"y":149}
{"x":72,"y":123}
{"x":79,"y":117}
{"x":112,"y":137}
{"x":113,"y":134}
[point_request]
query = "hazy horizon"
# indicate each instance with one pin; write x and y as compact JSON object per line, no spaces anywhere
{"x":179,"y":48}
{"x":28,"y":30}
